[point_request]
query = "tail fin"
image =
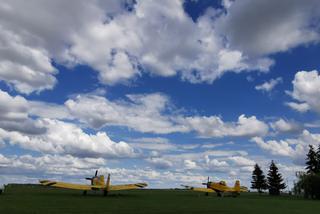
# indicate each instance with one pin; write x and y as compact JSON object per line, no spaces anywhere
{"x":237,"y":186}
{"x":108,"y":183}
{"x":107,"y":188}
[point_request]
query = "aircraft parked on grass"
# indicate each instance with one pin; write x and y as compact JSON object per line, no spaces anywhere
{"x":97,"y":184}
{"x":220,"y":188}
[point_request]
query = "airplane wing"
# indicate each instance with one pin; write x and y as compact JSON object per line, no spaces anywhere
{"x":198,"y":189}
{"x":127,"y":186}
{"x":69,"y":185}
{"x":243,"y":189}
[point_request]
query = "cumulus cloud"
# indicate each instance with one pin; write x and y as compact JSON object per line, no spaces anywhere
{"x":154,"y":113}
{"x":213,"y":126}
{"x":119,"y":43}
{"x":154,"y":144}
{"x":66,"y":138}
{"x":48,"y":164}
{"x":268,"y":86}
{"x":264,"y":27}
{"x":276,"y":148}
{"x":189,"y":164}
{"x":241,"y":161}
{"x":288,"y":126}
{"x":14,"y":115}
{"x":144,"y":113}
{"x":300,"y":107}
{"x":295,"y":148}
{"x":32,"y":35}
{"x":306,"y":90}
{"x":160,"y":163}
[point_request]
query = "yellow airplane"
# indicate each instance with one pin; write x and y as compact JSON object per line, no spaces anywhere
{"x":97,"y":184}
{"x":220,"y":188}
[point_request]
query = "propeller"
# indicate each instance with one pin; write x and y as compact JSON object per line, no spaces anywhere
{"x":91,"y":179}
{"x":208,"y":182}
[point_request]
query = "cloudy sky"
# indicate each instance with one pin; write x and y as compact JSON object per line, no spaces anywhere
{"x":166,"y":92}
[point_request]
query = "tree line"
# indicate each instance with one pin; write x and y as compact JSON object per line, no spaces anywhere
{"x":308,"y":181}
{"x":274,"y":181}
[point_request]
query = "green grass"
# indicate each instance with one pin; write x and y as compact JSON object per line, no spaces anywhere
{"x":36,"y":199}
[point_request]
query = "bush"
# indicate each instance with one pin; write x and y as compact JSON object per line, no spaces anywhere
{"x":308,"y":185}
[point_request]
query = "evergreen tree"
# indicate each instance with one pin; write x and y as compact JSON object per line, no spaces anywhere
{"x":318,"y":159}
{"x":275,"y":180}
{"x":312,"y":161}
{"x":259,"y":181}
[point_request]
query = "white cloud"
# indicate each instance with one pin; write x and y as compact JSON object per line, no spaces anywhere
{"x":300,"y":107}
{"x":48,"y":110}
{"x":189,"y":164}
{"x":48,"y":164}
{"x":12,"y":108}
{"x":159,"y":163}
{"x":241,"y":161}
{"x":142,"y":113}
{"x":268,"y":86}
{"x":269,"y":26}
{"x":288,"y":126}
{"x":213,"y":126}
{"x":294,"y":148}
{"x":14,"y":115}
{"x":276,"y":148}
{"x":306,"y":90}
{"x":66,"y":138}
{"x":155,"y":144}
{"x":117,"y":43}
{"x":27,"y":68}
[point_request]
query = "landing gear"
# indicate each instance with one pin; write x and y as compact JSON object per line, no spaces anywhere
{"x":207,"y":194}
{"x":105,"y":193}
{"x":84,"y":192}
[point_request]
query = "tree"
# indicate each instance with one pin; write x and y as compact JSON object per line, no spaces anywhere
{"x":275,"y":180}
{"x":318,"y":158}
{"x":259,"y":181}
{"x":309,"y":182}
{"x":312,"y":161}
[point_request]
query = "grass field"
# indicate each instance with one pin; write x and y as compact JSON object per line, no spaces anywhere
{"x":31,"y":199}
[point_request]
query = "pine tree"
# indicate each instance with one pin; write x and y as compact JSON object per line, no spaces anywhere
{"x":318,"y":159}
{"x":275,"y":180}
{"x":259,"y":181}
{"x":312,"y":161}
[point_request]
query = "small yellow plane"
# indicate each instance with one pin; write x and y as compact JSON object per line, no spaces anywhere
{"x":220,"y":188}
{"x":97,"y":184}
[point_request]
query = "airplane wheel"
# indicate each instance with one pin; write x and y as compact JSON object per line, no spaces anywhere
{"x":219,"y":194}
{"x":84,"y":192}
{"x":207,"y":194}
{"x":105,"y":193}
{"x":0,"y":191}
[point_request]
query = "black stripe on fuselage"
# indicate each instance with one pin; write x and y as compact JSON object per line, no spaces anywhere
{"x":50,"y":183}
{"x":140,"y":185}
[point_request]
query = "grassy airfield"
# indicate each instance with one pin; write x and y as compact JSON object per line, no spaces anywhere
{"x":36,"y":199}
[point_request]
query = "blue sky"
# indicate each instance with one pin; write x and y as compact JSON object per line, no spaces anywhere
{"x":166,"y":93}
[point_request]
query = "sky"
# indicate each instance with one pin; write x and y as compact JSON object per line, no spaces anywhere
{"x":165,"y":92}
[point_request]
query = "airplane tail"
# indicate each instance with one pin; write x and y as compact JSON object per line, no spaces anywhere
{"x":237,"y":186}
{"x":101,"y":180}
{"x":107,"y":189}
